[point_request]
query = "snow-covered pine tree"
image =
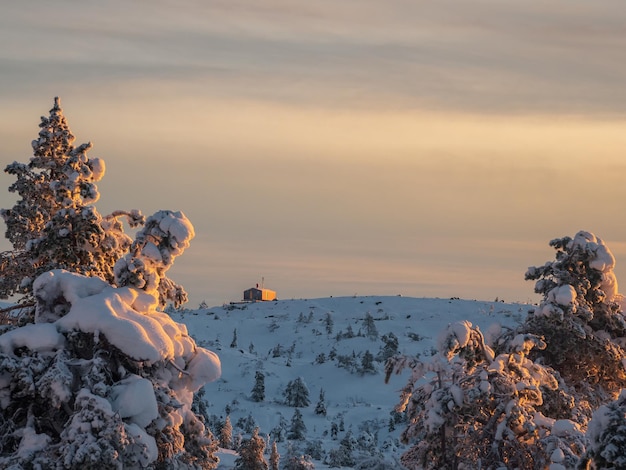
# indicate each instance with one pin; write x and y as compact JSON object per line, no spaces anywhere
{"x":607,"y":436}
{"x":226,"y":434}
{"x":297,"y":430}
{"x":297,"y":393}
{"x":258,"y":391}
{"x":390,"y":347}
{"x":320,"y":408}
{"x":580,"y":319}
{"x":251,"y":453}
{"x":328,"y":323}
{"x":274,"y":457}
{"x":54,"y":224}
{"x":343,"y":455}
{"x":367,"y":363}
{"x":294,"y":460}
{"x":247,"y":424}
{"x":280,"y":430}
{"x":370,"y":326}
{"x":101,"y":380}
{"x":478,"y":410}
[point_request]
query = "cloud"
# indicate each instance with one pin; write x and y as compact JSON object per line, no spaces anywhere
{"x":479,"y":56}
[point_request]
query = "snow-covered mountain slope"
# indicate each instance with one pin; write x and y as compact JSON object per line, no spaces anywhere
{"x":324,"y":342}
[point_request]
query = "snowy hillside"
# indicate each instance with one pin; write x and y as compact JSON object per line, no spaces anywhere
{"x":324,"y":342}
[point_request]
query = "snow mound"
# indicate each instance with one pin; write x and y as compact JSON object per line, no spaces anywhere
{"x":601,"y":260}
{"x":126,"y":316}
{"x":38,"y":337}
{"x":563,"y":295}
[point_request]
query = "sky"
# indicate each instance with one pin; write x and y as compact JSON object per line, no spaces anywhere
{"x":428,"y":149}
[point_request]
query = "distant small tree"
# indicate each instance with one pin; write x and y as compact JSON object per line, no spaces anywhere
{"x":296,"y":461}
{"x":233,"y":343}
{"x":297,"y":394}
{"x":251,"y":453}
{"x":320,"y":408}
{"x":370,"y":326}
{"x":343,"y":455}
{"x":247,"y":424}
{"x":277,"y":351}
{"x":199,"y":405}
{"x":367,"y":363}
{"x":258,"y":391}
{"x":274,"y":457}
{"x":315,"y":449}
{"x":226,"y":434}
{"x":328,"y":323}
{"x":390,"y":347}
{"x":297,"y":430}
{"x":332,"y":354}
{"x":279,"y":432}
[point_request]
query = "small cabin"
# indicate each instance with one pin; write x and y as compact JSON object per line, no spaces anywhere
{"x":256,"y":294}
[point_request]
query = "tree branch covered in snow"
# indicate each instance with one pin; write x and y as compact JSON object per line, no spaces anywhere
{"x":165,"y":235}
{"x":581,"y":319}
{"x":102,"y":380}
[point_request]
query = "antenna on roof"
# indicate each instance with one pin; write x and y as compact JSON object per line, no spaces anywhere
{"x":262,"y":282}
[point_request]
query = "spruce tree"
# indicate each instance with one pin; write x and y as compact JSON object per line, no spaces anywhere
{"x":390,"y":347}
{"x":370,"y":326}
{"x":297,"y":394}
{"x":580,"y":319}
{"x":367,"y":363}
{"x":226,"y":434}
{"x":328,"y":323}
{"x":54,"y":224}
{"x":274,"y":457}
{"x":320,"y":408}
{"x":297,"y":430}
{"x":251,"y":453}
{"x":258,"y":391}
{"x":296,"y":461}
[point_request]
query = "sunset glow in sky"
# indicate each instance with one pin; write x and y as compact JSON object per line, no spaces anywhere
{"x":339,"y":147}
